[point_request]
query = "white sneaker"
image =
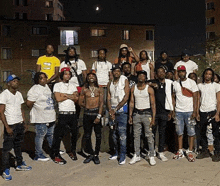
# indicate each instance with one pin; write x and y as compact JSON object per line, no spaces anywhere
{"x":122,"y":162}
{"x":152,"y":161}
{"x":113,"y":157}
{"x":162,"y":157}
{"x":135,"y":159}
{"x":62,"y":152}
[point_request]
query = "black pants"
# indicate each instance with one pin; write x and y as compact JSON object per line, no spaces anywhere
{"x":161,"y":123}
{"x":65,"y":122}
{"x":88,"y":124}
{"x":204,"y":116}
{"x":13,"y":141}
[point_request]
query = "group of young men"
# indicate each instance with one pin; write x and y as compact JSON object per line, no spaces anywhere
{"x":133,"y":96}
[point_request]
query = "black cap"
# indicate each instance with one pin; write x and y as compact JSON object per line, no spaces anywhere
{"x":142,"y":72}
{"x":116,"y":66}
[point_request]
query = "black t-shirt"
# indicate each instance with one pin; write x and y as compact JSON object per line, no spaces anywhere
{"x":168,"y":65}
{"x":160,"y":97}
{"x":132,"y":80}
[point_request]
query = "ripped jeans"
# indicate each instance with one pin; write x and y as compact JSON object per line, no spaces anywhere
{"x":183,"y":118}
{"x":120,"y":132}
{"x":139,"y":120}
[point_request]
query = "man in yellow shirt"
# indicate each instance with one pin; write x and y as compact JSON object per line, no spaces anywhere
{"x":49,"y":64}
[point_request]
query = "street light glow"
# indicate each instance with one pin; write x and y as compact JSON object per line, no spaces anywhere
{"x":97,"y":8}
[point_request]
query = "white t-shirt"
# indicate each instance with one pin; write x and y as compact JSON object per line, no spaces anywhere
{"x":102,"y":69}
{"x":12,"y":104}
{"x":43,"y":108}
{"x":190,"y":66}
{"x":184,"y":103}
{"x":146,"y":68}
{"x":65,"y":88}
{"x":208,"y":96}
{"x":80,"y":66}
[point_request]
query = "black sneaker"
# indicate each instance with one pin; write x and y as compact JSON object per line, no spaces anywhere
{"x":96,"y":159}
{"x":216,"y":158}
{"x":72,"y":155}
{"x":88,"y":159}
{"x":203,"y":154}
{"x":59,"y":160}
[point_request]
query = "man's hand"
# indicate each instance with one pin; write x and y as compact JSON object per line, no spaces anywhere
{"x":97,"y":121}
{"x":25,"y":127}
{"x":130,"y":120}
{"x":151,"y":66}
{"x":198,"y":117}
{"x":130,"y":49}
{"x":9,"y":131}
{"x":193,"y":116}
{"x":170,"y":116}
{"x":152,"y":123}
{"x":112,"y":114}
{"x":217,"y":119}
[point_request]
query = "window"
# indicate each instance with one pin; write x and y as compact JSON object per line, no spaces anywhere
{"x":49,"y":4}
{"x":6,"y":30}
{"x":6,"y":53}
{"x":210,"y":21}
{"x":150,"y":35}
{"x":49,"y":17}
{"x":69,"y":37}
{"x":210,"y":6}
{"x":210,"y":35}
{"x":60,"y":6}
{"x":17,"y":15}
{"x":151,"y":55}
{"x":16,"y":2}
{"x":125,"y":34}
{"x":6,"y":74}
{"x":39,"y":30}
{"x":37,"y":52}
{"x":59,"y":18}
{"x":94,"y":53}
{"x":97,"y":32}
{"x":24,"y":16}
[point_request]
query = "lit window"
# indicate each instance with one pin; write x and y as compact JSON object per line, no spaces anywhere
{"x":6,"y":53}
{"x":97,"y":32}
{"x":49,"y":4}
{"x":69,"y":37}
{"x":94,"y":53}
{"x":125,"y":35}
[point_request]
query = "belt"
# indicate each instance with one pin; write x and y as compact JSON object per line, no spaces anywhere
{"x":67,"y":112}
{"x":143,"y":111}
{"x":92,"y":112}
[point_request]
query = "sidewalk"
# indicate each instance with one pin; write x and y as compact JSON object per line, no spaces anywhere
{"x":174,"y":172}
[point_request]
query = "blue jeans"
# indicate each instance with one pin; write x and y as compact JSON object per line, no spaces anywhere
{"x":43,"y":130}
{"x":184,"y":118}
{"x":120,"y":132}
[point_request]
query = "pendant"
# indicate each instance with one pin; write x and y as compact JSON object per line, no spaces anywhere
{"x":161,"y":86}
{"x":92,"y":95}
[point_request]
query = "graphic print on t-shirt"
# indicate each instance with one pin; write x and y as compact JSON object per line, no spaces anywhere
{"x":47,"y":66}
{"x":50,"y":103}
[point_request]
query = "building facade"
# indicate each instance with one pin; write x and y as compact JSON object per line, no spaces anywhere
{"x":212,"y":18}
{"x":23,"y":41}
{"x":50,"y":10}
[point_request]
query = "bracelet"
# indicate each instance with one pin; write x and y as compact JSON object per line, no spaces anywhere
{"x":99,"y":116}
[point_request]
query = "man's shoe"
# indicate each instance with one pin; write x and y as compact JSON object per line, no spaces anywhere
{"x":113,"y":157}
{"x":59,"y":160}
{"x":152,"y":161}
{"x":162,"y":157}
{"x":23,"y":167}
{"x":203,"y":154}
{"x":135,"y":159}
{"x":88,"y":159}
{"x":96,"y":159}
{"x":62,"y":152}
{"x":72,"y":155}
{"x":122,"y":159}
{"x":6,"y":175}
{"x":190,"y":157}
{"x":41,"y":158}
{"x":216,"y":157}
{"x":178,"y":155}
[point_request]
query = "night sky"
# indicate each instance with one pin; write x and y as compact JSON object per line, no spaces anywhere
{"x":179,"y":24}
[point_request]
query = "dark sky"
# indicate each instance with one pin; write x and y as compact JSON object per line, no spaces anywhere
{"x":180,"y":24}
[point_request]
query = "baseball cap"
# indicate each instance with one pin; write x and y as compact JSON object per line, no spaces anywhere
{"x":65,"y":69}
{"x":11,"y":78}
{"x":181,"y":67}
{"x":115,"y":66}
{"x":123,"y":46}
{"x":142,"y":72}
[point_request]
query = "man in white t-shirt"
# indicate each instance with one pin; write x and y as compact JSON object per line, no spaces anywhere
{"x":208,"y":112}
{"x":42,"y":114}
{"x":185,"y":95}
{"x":66,"y":95}
{"x":75,"y":64}
{"x":190,"y":65}
{"x":13,"y":119}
